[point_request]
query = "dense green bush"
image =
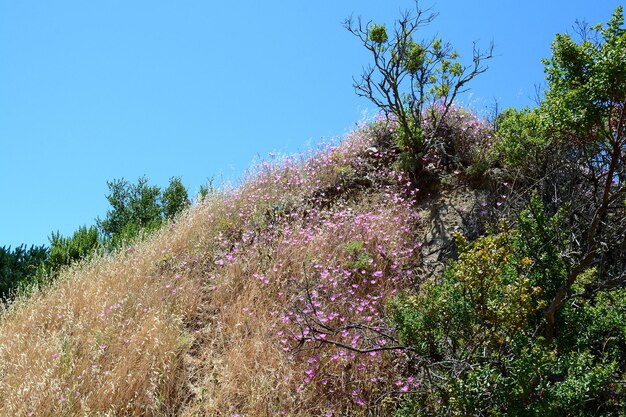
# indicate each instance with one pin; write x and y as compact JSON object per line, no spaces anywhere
{"x":477,"y":336}
{"x":65,"y":250}
{"x":175,"y":199}
{"x":522,"y":143}
{"x":18,"y":265}
{"x":139,"y":208}
{"x":134,"y":207}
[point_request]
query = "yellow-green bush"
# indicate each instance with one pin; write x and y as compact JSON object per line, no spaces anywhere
{"x":476,"y":336}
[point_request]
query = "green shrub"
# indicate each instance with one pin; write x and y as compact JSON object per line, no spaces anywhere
{"x":476,"y":334}
{"x":137,"y":209}
{"x":65,"y":250}
{"x":19,"y":266}
{"x":175,"y":198}
{"x":522,"y":141}
{"x":358,"y":257}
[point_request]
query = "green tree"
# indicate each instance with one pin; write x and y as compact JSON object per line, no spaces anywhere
{"x":139,"y":208}
{"x":65,"y":250}
{"x":175,"y":198}
{"x":587,"y":84}
{"x":408,"y":77}
{"x":19,"y":266}
{"x":134,"y":207}
{"x":585,"y":113}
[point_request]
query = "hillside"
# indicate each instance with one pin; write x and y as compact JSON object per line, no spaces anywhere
{"x":204,"y":316}
{"x":289,"y":294}
{"x":430,"y":263}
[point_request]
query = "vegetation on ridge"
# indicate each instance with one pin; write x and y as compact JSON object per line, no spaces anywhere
{"x":313,"y":288}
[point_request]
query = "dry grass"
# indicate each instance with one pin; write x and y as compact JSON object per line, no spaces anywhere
{"x":202,"y":318}
{"x":108,"y":337}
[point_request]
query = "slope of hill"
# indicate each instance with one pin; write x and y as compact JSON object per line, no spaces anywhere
{"x":333,"y":283}
{"x":219,"y":312}
{"x":429,"y":264}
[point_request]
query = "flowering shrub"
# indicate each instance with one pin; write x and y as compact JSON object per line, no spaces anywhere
{"x":407,"y":76}
{"x":337,"y":320}
{"x":465,"y":139}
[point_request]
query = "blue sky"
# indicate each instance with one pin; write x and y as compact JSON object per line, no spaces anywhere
{"x":96,"y":90}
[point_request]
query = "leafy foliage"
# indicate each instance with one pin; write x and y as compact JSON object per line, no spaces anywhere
{"x":175,"y":198}
{"x":476,"y":336}
{"x":530,"y":320}
{"x":140,"y":208}
{"x":17,"y":266}
{"x":585,"y":114}
{"x":358,"y":258}
{"x":65,"y":250}
{"x":133,"y":207}
{"x":522,"y":143}
{"x":587,"y":82}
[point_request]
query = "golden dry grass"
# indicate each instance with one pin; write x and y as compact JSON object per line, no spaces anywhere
{"x":202,"y":317}
{"x":108,"y":337}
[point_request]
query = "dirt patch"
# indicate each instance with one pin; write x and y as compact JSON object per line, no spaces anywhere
{"x":443,"y":214}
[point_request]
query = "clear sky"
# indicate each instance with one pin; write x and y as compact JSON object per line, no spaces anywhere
{"x":96,"y":90}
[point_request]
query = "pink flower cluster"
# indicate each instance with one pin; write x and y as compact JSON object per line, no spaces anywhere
{"x":463,"y":134}
{"x":333,"y":268}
